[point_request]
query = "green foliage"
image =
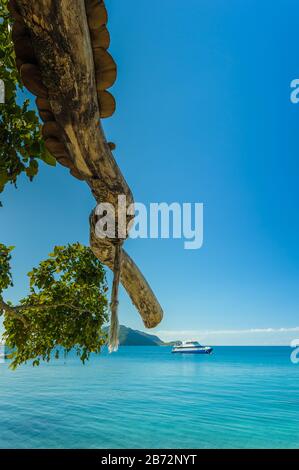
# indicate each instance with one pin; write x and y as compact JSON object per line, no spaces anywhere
{"x":21,"y":143}
{"x":65,"y":309}
{"x":5,"y":274}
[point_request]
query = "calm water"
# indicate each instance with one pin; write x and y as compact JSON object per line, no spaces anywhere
{"x":244,"y":397}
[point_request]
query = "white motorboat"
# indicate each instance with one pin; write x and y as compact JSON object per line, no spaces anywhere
{"x":191,"y":347}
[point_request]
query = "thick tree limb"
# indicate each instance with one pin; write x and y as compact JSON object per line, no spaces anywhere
{"x":61,"y":42}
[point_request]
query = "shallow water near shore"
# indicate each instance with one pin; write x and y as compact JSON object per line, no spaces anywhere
{"x":145,"y":397}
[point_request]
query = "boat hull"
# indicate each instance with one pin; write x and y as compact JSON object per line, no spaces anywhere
{"x":192,"y":351}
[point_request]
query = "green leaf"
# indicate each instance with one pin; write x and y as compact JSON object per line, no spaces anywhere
{"x":48,"y":158}
{"x":10,"y":90}
{"x":32,"y":170}
{"x":35,"y":148}
{"x":30,"y":116}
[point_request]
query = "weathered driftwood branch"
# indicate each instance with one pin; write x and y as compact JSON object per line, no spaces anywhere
{"x":61,"y":50}
{"x":132,"y":279}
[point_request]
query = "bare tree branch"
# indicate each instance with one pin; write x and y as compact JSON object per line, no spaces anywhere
{"x":65,"y":78}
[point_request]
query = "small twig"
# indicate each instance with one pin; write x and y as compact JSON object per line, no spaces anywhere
{"x":12,"y":312}
{"x":15,"y":311}
{"x":48,"y":306}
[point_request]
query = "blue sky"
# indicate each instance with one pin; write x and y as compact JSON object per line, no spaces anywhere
{"x":203,"y":115}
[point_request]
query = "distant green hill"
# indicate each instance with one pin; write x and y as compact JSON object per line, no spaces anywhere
{"x":129,"y":337}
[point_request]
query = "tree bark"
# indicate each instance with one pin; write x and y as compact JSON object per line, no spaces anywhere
{"x":61,"y":41}
{"x":131,"y":278}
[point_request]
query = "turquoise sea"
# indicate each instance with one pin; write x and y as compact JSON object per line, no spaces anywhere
{"x":145,"y":397}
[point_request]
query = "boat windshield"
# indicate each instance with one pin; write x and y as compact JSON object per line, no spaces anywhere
{"x":190,"y":344}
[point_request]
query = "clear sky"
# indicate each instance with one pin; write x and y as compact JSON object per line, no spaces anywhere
{"x":203,"y":115}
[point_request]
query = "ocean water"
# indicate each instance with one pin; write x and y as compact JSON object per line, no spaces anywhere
{"x":145,"y":397}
